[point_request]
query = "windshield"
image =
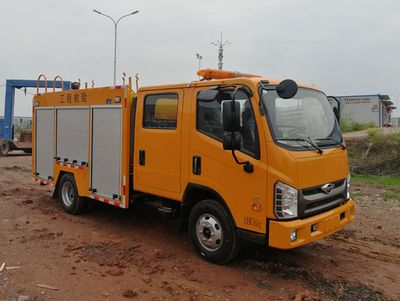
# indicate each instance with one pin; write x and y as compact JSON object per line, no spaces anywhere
{"x":306,"y":117}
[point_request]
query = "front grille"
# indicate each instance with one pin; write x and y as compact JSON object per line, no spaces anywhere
{"x":314,"y":200}
{"x":317,"y":189}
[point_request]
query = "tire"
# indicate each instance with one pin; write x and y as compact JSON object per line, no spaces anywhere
{"x":4,"y":147}
{"x":68,"y":195}
{"x":212,"y":232}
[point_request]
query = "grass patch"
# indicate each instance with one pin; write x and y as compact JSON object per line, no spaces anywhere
{"x":392,"y":182}
{"x":352,"y":126}
{"x":356,"y":194}
{"x":377,"y":154}
{"x":390,"y":185}
{"x":391,"y":196}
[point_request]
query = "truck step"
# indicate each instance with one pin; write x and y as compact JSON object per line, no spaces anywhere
{"x":169,"y":212}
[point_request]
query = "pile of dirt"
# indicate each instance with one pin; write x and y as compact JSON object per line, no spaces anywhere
{"x":377,"y":153}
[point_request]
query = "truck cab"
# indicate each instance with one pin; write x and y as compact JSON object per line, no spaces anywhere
{"x":234,"y":156}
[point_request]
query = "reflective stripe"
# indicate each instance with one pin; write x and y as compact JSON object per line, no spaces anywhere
{"x":70,"y":165}
{"x":42,"y":182}
{"x":108,"y":201}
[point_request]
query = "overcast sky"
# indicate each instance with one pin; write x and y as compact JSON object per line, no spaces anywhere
{"x":343,"y":46}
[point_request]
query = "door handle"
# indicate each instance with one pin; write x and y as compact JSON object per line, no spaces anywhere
{"x":196,"y":165}
{"x":142,"y":157}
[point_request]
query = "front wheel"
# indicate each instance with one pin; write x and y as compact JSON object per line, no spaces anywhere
{"x":68,"y":195}
{"x":212,"y":232}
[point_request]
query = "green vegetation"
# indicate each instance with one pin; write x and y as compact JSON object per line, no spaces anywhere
{"x":391,"y":196}
{"x":375,"y":160}
{"x":377,"y":180}
{"x":375,"y":154}
{"x":352,"y":126}
{"x":356,"y":194}
{"x":391,"y":185}
{"x":390,"y":140}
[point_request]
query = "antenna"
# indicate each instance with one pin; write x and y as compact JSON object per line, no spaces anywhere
{"x":220,"y":44}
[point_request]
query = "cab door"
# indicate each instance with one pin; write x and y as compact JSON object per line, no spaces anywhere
{"x":244,"y":192}
{"x":157,"y":146}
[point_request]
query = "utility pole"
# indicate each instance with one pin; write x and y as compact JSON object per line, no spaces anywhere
{"x":220,"y":44}
{"x":199,"y":57}
{"x":115,"y":35}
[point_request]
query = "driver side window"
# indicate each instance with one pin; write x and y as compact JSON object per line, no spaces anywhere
{"x":209,"y":121}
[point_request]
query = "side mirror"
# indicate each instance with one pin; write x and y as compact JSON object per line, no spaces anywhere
{"x":231,"y":124}
{"x":207,"y":95}
{"x":231,"y":141}
{"x":335,"y":104}
{"x":287,"y":89}
{"x":231,"y":116}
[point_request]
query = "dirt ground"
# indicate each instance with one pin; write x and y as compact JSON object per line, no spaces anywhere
{"x":116,"y":254}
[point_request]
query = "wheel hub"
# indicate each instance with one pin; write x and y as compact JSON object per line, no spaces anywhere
{"x":209,"y":232}
{"x":67,"y":194}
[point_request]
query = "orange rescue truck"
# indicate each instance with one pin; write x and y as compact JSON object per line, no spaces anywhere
{"x":234,"y":156}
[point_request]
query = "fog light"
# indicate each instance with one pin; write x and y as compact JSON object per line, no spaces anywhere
{"x":293,"y":235}
{"x":314,"y":227}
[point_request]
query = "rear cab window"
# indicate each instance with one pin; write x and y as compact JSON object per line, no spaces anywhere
{"x":160,"y":111}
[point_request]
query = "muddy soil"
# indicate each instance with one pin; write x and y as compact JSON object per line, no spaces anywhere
{"x":116,"y":254}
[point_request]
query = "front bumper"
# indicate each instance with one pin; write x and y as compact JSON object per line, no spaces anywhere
{"x":326,"y":223}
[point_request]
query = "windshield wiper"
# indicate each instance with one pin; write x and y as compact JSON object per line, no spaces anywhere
{"x":308,"y":140}
{"x":334,"y":140}
{"x":320,"y":151}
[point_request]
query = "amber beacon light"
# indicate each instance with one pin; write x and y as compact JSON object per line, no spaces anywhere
{"x":209,"y":74}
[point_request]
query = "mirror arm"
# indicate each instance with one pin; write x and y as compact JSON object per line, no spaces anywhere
{"x":237,"y":160}
{"x":247,"y":166}
{"x":263,"y":84}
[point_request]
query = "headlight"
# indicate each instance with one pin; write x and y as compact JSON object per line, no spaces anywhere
{"x":348,"y":187}
{"x":285,"y":201}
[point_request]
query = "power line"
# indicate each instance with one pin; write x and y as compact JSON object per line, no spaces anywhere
{"x":25,"y":91}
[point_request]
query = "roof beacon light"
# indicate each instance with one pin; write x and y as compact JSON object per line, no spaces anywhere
{"x":209,"y":74}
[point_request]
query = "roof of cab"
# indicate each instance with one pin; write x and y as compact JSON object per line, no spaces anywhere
{"x":214,"y":82}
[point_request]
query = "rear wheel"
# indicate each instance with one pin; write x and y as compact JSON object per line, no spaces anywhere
{"x":4,"y":147}
{"x":68,"y":195}
{"x":212,"y":232}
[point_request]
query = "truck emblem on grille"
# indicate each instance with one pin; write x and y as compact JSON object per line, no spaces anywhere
{"x":327,"y":188}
